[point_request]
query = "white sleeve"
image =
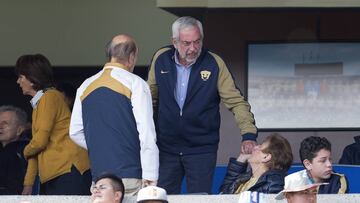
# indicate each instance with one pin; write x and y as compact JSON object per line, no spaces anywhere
{"x":76,"y":130}
{"x":143,"y":113}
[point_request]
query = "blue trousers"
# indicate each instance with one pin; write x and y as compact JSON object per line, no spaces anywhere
{"x":197,"y":168}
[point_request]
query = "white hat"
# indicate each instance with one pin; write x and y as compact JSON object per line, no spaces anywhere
{"x":152,"y":193}
{"x":296,"y":182}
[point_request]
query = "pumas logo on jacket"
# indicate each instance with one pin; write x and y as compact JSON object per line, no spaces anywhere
{"x":205,"y":75}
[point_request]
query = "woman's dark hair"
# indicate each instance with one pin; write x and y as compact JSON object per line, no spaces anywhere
{"x":280,"y":150}
{"x":37,"y":69}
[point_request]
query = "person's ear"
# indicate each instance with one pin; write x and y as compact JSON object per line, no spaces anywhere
{"x":20,"y":130}
{"x":118,"y":195}
{"x":267,"y":158}
{"x":132,"y":61}
{"x":307,"y":164}
{"x":132,"y":58}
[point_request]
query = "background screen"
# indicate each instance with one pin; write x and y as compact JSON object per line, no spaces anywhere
{"x":304,"y":85}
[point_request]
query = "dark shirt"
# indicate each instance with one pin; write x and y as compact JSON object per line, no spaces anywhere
{"x":12,"y":167}
{"x":351,"y":153}
{"x":337,"y":184}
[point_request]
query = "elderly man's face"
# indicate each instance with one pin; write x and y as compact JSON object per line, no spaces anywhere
{"x":103,"y":192}
{"x":188,"y":45}
{"x":9,"y":128}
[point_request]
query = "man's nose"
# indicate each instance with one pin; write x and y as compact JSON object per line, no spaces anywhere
{"x":192,"y":46}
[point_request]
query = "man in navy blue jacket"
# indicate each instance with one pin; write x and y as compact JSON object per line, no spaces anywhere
{"x":187,"y":83}
{"x":13,"y":123}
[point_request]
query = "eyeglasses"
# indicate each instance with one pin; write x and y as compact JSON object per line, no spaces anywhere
{"x":188,"y":43}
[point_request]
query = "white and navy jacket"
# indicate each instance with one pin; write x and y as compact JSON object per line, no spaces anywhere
{"x":112,"y":118}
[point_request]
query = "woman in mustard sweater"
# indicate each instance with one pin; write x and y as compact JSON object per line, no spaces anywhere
{"x":62,"y":165}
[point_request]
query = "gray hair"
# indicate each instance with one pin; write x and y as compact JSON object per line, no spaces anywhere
{"x":185,"y":22}
{"x":120,"y":51}
{"x":21,"y":116}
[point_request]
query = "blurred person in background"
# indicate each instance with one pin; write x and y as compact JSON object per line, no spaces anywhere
{"x":13,"y":125}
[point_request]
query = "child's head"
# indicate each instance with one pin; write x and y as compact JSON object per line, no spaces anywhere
{"x":315,"y":154}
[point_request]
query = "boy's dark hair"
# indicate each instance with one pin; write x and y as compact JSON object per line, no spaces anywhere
{"x":116,"y":182}
{"x":311,"y":146}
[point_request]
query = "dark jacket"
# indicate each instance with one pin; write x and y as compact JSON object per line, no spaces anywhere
{"x":351,"y":153}
{"x":194,"y":129}
{"x":271,"y":181}
{"x":12,"y":167}
{"x":337,"y":185}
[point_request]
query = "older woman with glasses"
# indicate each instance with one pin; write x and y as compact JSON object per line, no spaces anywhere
{"x":268,"y":163}
{"x":62,"y":165}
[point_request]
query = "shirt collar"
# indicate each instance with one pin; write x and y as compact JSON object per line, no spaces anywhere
{"x":34,"y":101}
{"x":116,"y":65}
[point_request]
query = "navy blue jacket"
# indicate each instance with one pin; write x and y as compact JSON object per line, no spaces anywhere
{"x":12,"y":167}
{"x":272,"y":181}
{"x":337,"y":185}
{"x":195,"y":128}
{"x":351,"y":153}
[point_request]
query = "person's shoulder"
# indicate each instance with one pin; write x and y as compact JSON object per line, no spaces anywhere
{"x":90,"y":79}
{"x":337,"y":175}
{"x":138,"y":81}
{"x":275,"y":174}
{"x":52,"y":93}
{"x":215,"y":56}
{"x":163,"y":50}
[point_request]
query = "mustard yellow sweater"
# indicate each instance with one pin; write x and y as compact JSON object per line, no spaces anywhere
{"x":51,"y":152}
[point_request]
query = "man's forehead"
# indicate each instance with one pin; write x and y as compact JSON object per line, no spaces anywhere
{"x":322,"y":153}
{"x":7,"y":115}
{"x":103,"y":181}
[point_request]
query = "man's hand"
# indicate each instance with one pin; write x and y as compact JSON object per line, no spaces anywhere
{"x":27,"y":190}
{"x":149,"y":182}
{"x":247,"y":146}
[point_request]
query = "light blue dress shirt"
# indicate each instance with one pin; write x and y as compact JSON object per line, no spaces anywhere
{"x":183,"y":74}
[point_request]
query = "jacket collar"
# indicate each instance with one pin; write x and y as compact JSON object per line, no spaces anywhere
{"x":116,"y":65}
